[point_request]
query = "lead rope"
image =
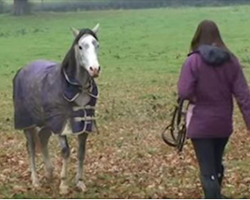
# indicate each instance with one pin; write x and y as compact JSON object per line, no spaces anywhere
{"x":177,"y":125}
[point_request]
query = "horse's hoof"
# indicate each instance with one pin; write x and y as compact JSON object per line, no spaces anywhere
{"x":35,"y":180}
{"x":49,"y":176}
{"x":36,"y":184}
{"x":49,"y":172}
{"x":81,"y":186}
{"x":64,"y":189}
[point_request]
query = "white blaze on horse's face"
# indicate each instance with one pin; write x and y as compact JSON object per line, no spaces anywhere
{"x":87,"y":53}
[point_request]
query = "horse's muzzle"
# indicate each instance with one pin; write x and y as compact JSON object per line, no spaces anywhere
{"x":94,"y":72}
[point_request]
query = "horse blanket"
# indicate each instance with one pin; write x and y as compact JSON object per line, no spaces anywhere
{"x":45,"y":97}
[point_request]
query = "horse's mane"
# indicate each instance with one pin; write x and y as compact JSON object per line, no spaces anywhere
{"x":69,"y":61}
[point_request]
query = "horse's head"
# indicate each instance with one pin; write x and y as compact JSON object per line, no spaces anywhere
{"x":86,"y":47}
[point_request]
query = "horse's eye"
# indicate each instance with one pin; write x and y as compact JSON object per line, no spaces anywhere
{"x":80,"y":47}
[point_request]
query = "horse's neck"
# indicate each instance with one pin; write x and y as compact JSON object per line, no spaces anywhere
{"x":79,"y":73}
{"x":83,"y":77}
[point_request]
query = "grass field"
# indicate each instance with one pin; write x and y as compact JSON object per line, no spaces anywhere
{"x":141,"y":55}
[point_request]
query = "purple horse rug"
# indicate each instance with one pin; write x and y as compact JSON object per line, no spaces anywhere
{"x":46,"y":96}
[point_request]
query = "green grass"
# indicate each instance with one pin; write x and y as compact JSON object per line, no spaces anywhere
{"x":141,"y":55}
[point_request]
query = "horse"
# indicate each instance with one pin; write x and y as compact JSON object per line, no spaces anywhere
{"x":59,"y":99}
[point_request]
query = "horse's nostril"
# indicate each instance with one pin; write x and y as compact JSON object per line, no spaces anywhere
{"x":99,"y":68}
{"x":91,"y":68}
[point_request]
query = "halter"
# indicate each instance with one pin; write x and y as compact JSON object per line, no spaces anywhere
{"x":175,"y":133}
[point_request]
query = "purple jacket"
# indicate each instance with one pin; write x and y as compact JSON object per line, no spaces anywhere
{"x":210,"y":78}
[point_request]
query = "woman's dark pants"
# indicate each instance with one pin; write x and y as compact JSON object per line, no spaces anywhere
{"x":209,"y":153}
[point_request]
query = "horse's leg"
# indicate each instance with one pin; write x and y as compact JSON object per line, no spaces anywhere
{"x":82,"y":138}
{"x":44,"y":135}
{"x":65,"y":152}
{"x":30,"y":135}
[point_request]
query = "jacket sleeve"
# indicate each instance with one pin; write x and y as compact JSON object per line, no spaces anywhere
{"x":187,"y":80}
{"x":242,"y":94}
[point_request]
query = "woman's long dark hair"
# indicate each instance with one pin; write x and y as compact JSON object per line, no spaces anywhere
{"x":207,"y":33}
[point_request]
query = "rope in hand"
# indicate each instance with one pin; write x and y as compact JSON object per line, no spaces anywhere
{"x":175,"y":133}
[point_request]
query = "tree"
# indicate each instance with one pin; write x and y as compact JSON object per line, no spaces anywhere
{"x":21,"y":7}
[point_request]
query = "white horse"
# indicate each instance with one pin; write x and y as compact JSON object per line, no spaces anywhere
{"x":59,"y":98}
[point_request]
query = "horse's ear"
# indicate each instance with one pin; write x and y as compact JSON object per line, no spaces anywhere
{"x":75,"y":31}
{"x":96,"y":28}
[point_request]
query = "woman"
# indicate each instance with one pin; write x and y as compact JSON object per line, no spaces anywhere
{"x":209,"y":79}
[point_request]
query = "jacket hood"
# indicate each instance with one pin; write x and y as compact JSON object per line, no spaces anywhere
{"x":213,"y":55}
